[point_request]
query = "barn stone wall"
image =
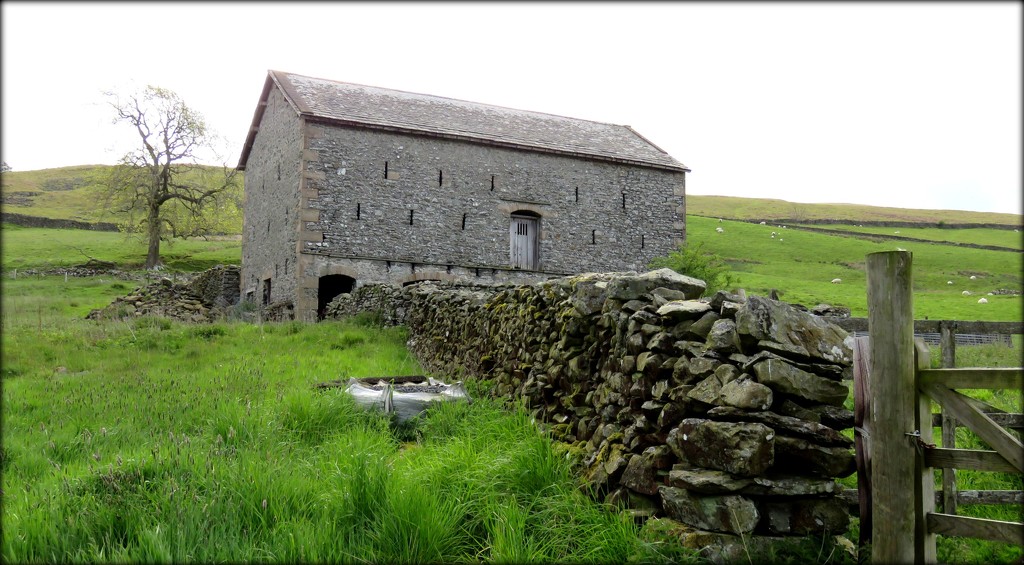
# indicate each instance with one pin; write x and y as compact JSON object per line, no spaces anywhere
{"x":272,"y":184}
{"x":594,"y":215}
{"x":384,"y":206}
{"x":719,"y":414}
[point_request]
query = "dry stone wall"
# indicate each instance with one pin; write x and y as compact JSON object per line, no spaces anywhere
{"x":723,"y":414}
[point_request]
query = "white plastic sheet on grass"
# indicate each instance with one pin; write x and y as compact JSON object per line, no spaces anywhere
{"x":404,"y":405}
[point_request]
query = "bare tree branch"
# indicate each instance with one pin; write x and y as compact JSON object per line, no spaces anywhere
{"x":160,"y":184}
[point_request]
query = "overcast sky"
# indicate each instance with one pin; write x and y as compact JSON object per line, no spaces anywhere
{"x":914,"y":105}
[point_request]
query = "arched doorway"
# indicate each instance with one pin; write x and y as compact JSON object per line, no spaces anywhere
{"x":328,"y":288}
{"x":524,"y":240}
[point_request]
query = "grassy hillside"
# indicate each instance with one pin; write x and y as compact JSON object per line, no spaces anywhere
{"x":801,"y":265}
{"x":42,"y":248}
{"x":736,"y":208}
{"x":1013,"y":239}
{"x":71,"y":193}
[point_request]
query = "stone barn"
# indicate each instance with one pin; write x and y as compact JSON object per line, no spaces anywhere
{"x":348,"y":184}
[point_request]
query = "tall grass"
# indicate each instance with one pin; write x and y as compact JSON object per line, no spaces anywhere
{"x":152,"y":440}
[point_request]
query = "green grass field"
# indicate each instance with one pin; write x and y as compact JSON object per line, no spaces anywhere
{"x":737,"y":208}
{"x":980,"y":236}
{"x":801,"y":265}
{"x":42,"y":248}
{"x":78,"y":193}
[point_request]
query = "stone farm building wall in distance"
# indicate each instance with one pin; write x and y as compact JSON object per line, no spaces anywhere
{"x":348,"y":184}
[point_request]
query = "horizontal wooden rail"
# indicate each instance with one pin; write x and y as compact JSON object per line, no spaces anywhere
{"x":935,"y":326}
{"x":964,"y":497}
{"x":997,"y":438}
{"x":972,"y":459}
{"x":1012,"y":421}
{"x":973,"y":378}
{"x":992,"y":530}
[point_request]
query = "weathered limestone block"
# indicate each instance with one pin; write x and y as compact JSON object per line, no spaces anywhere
{"x":690,"y":370}
{"x":629,"y":286}
{"x":743,"y":449}
{"x":679,"y":310}
{"x":608,"y":464}
{"x":817,"y":433}
{"x":806,"y":516}
{"x":801,"y":333}
{"x":707,"y":481}
{"x":722,"y":338}
{"x":747,"y":394}
{"x":801,"y":456}
{"x":700,"y":329}
{"x":709,"y":390}
{"x":641,"y":473}
{"x":783,"y":377}
{"x":728,"y":513}
{"x":589,"y":295}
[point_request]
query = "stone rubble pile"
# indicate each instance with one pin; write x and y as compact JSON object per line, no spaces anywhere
{"x":162,"y":298}
{"x":718,"y":416}
{"x":199,"y":300}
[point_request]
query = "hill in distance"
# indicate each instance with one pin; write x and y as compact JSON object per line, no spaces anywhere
{"x":72,"y":193}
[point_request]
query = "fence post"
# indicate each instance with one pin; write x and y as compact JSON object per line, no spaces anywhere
{"x":893,"y":406}
{"x":947,"y":342}
{"x":862,"y":434}
{"x":924,"y":543}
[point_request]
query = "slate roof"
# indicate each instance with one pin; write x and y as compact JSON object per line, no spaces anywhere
{"x":368,"y":106}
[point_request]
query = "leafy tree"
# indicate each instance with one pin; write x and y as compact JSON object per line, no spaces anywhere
{"x":159,"y":184}
{"x":694,"y":261}
{"x":5,"y":167}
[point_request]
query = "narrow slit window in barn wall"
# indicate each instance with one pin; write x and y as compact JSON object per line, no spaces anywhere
{"x":577,"y":194}
{"x":410,"y":217}
{"x":440,"y":177}
{"x":641,"y":241}
{"x":492,"y":182}
{"x":593,"y":236}
{"x":623,"y":200}
{"x":385,"y":170}
{"x":359,"y":210}
{"x":463,"y":221}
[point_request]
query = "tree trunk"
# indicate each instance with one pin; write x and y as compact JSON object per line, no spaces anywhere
{"x":153,"y":227}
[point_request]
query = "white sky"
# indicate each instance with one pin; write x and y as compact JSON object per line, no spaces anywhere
{"x":914,"y":105}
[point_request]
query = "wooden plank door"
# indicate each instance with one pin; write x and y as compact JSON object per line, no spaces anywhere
{"x":523,"y":242}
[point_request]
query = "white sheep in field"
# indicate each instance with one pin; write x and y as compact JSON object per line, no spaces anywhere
{"x":719,"y":230}
{"x":762,"y":223}
{"x":900,"y":249}
{"x":949,"y":282}
{"x":837,"y":281}
{"x":719,"y":220}
{"x":966,"y":293}
{"x":982,"y":301}
{"x":973,"y":277}
{"x":897,"y":231}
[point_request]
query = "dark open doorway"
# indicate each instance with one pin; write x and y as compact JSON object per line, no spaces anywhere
{"x":329,"y":287}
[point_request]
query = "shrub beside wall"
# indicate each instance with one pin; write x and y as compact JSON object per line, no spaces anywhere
{"x":721,"y":414}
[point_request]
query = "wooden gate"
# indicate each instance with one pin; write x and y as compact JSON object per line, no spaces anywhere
{"x":523,"y":248}
{"x":897,"y":422}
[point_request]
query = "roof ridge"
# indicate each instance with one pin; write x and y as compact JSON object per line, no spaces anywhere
{"x":461,"y":100}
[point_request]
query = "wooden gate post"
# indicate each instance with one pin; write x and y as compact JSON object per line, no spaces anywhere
{"x":947,"y":342}
{"x":893,"y":406}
